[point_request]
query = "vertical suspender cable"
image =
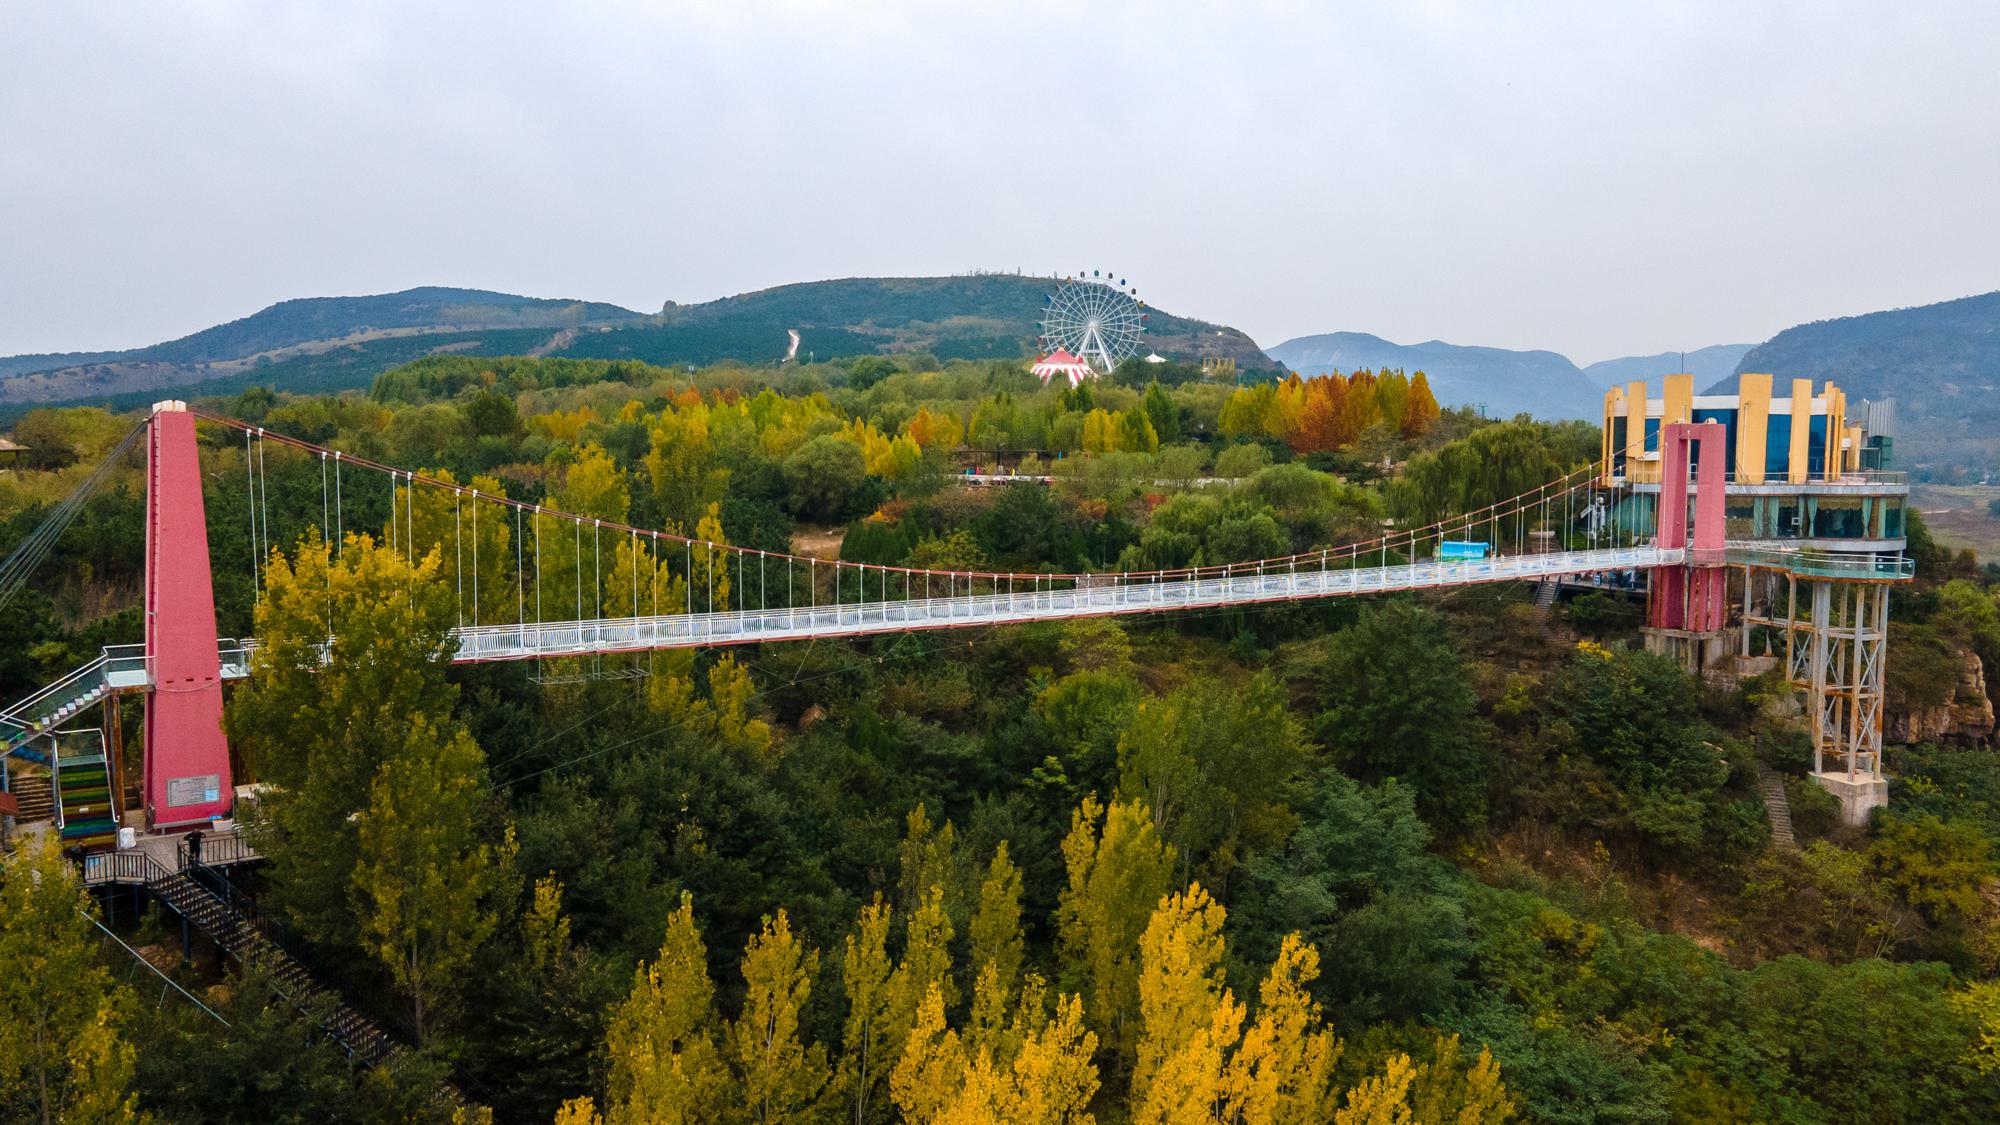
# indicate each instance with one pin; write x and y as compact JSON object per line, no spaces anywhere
{"x":264,"y":497}
{"x":458,"y":553}
{"x":475,"y":558}
{"x":339,"y":528}
{"x":521,"y":581}
{"x":250,"y":480}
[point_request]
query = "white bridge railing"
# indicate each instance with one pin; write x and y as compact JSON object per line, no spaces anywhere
{"x":1113,"y":597}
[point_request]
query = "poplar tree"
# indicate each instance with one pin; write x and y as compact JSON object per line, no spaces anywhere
{"x":1189,"y":1018}
{"x":353,"y":652}
{"x":782,"y":1076}
{"x":926,"y":857}
{"x":1119,"y":869}
{"x":1283,"y":1070}
{"x":931,"y":1073}
{"x":425,"y":880}
{"x":865,"y":976}
{"x":664,"y":1063}
{"x":926,"y":962}
{"x":997,"y":945}
{"x":61,"y":1055}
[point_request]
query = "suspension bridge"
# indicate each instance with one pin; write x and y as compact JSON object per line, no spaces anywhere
{"x":581,"y":586}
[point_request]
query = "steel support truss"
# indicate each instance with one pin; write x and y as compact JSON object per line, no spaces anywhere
{"x":1835,"y":640}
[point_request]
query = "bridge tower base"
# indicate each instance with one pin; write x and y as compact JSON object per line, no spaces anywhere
{"x":1685,"y":605}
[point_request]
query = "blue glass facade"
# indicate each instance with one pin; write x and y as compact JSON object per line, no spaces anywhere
{"x":1778,"y":447}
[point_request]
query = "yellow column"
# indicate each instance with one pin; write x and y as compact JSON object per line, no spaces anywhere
{"x":1852,"y":460}
{"x":1836,"y":427}
{"x":1802,"y":404}
{"x":1635,"y":431}
{"x":1753,"y":423}
{"x":1611,"y":398}
{"x":1678,"y":399}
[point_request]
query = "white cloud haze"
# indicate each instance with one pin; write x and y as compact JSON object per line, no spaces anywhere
{"x":1594,"y":178}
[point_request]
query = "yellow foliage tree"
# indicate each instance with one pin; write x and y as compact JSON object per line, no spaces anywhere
{"x":1189,"y":1019}
{"x":997,"y":946}
{"x":865,"y":971}
{"x":1119,"y":869}
{"x":665,"y":1067}
{"x":782,"y":1077}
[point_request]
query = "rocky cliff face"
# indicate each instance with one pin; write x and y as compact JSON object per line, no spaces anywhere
{"x":1965,"y":716}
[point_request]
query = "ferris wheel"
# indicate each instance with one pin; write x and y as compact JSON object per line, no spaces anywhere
{"x":1097,"y":318}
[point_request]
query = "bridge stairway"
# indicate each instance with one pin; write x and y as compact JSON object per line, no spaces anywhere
{"x":1778,"y":808}
{"x":50,"y":708}
{"x":37,"y":801}
{"x":1545,"y":597}
{"x":87,"y":816}
{"x":241,"y":932}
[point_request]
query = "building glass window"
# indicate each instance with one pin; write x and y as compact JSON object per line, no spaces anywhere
{"x":1778,"y":447}
{"x":1617,"y":446}
{"x":1788,"y":518}
{"x":1892,"y":517}
{"x":1839,"y":517}
{"x":1816,"y":448}
{"x":1728,"y":420}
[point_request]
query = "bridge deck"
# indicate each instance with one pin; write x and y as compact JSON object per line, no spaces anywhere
{"x":1113,"y":597}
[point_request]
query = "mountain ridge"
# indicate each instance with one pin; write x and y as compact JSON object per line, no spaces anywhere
{"x":336,"y":343}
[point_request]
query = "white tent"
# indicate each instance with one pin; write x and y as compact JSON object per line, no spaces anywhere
{"x":1060,"y":362}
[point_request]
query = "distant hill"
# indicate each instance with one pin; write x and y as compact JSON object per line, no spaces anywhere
{"x":1504,"y":382}
{"x":331,"y":343}
{"x":313,"y":334}
{"x":972,"y":317}
{"x":1707,"y":365}
{"x":1940,"y":362}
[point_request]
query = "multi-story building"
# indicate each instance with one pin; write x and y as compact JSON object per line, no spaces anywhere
{"x":1815,"y":522}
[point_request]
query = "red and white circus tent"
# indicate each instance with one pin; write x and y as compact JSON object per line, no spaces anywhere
{"x":1060,"y":362}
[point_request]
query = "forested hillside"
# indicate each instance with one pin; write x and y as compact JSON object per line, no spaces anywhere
{"x":1941,"y":363}
{"x":335,"y":343}
{"x":1435,"y":858}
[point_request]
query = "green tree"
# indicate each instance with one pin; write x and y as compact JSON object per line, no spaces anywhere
{"x":1396,"y":700}
{"x":1637,"y":716}
{"x":427,"y":883}
{"x":353,"y":653}
{"x":1938,"y":866}
{"x":824,"y":476}
{"x":1214,"y":767}
{"x":1355,"y":876}
{"x":62,"y":1057}
{"x":1162,"y":413}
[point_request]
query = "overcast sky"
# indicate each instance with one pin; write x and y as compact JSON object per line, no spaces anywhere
{"x":1598,"y":179}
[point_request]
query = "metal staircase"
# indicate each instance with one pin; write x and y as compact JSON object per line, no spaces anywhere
{"x":1545,"y":597}
{"x":86,"y":815}
{"x":54,"y":705}
{"x":240,"y":931}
